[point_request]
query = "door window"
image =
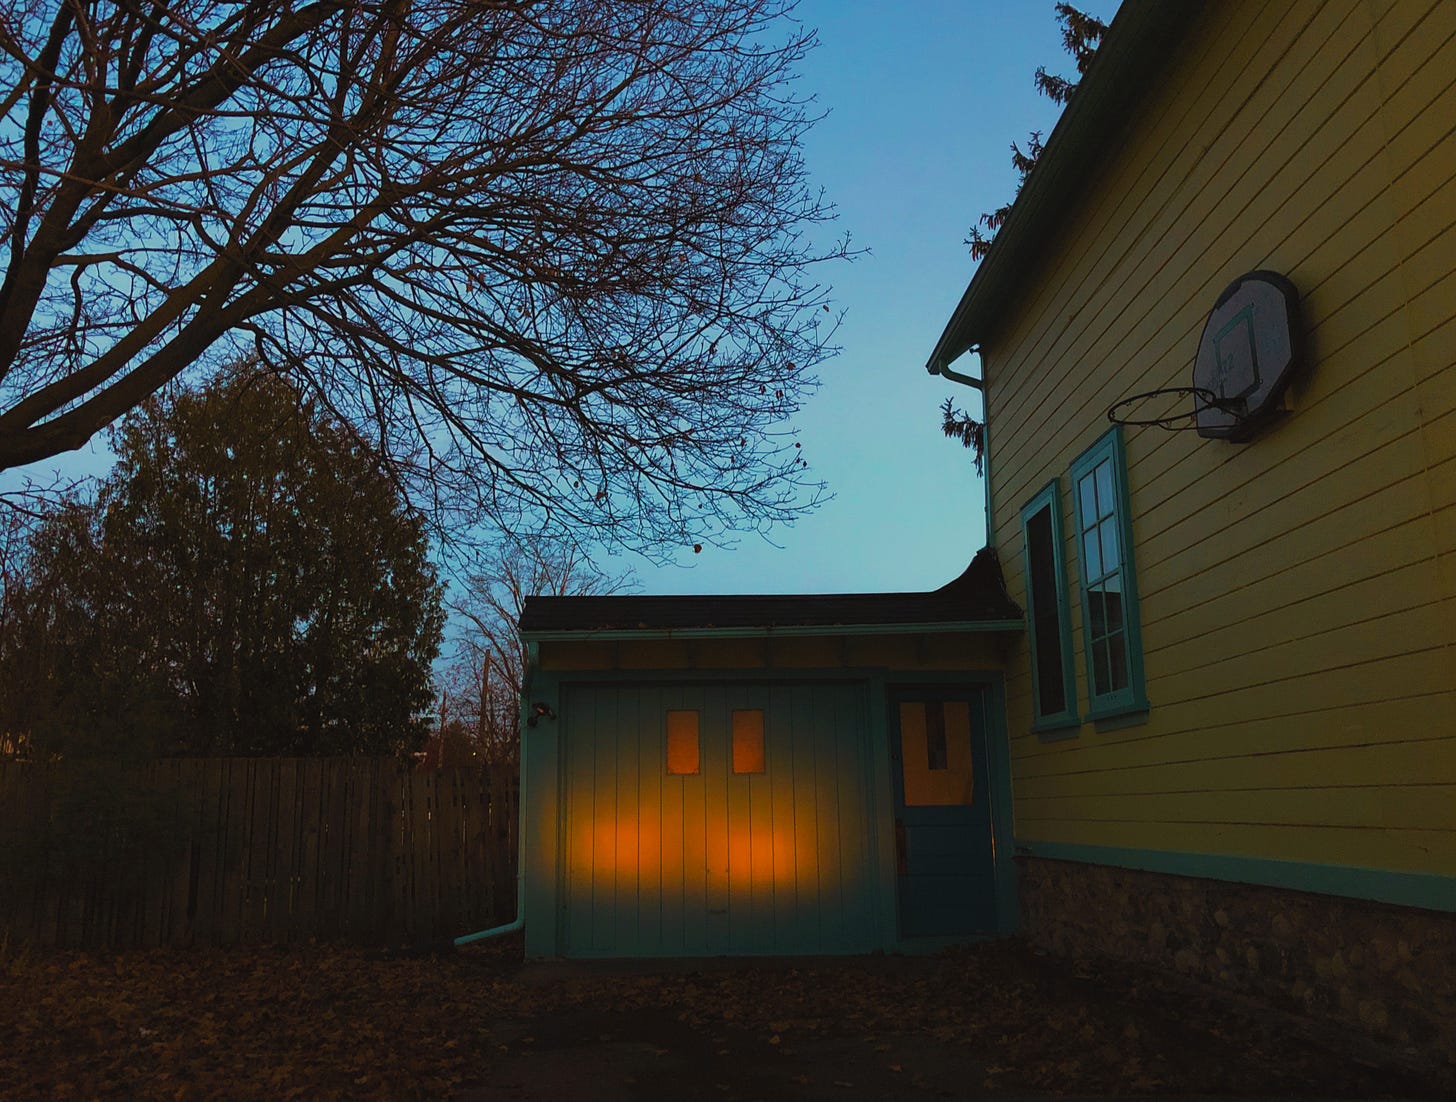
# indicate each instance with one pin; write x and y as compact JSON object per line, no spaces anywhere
{"x":935,"y":753}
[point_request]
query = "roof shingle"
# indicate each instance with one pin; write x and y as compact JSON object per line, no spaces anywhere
{"x":979,"y":594}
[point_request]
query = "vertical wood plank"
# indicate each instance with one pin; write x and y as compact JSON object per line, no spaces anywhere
{"x":742,"y":909}
{"x":807,"y":931}
{"x":359,"y":872}
{"x":779,"y":738}
{"x":162,"y":861}
{"x":581,"y":832}
{"x":647,"y":760}
{"x":381,"y":825}
{"x":341,"y":775}
{"x":447,"y":848}
{"x":826,"y":780}
{"x":855,"y":831}
{"x":308,"y":838}
{"x":492,"y":796}
{"x":762,"y":852}
{"x":673,"y":830}
{"x":283,"y":907}
{"x":695,"y":836}
{"x":233,"y":834}
{"x":400,"y":798}
{"x":626,"y":931}
{"x":180,"y":780}
{"x":604,"y":819}
{"x":255,"y":899}
{"x":425,"y":851}
{"x":206,"y":864}
{"x":323,"y":860}
{"x":716,"y":770}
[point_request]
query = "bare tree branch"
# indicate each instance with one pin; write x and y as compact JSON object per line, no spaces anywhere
{"x":553,"y":258}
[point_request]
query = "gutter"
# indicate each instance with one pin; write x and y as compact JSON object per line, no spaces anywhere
{"x":945,"y":372}
{"x":520,"y":919}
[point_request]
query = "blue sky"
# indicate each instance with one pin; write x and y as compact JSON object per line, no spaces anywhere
{"x":924,"y":99}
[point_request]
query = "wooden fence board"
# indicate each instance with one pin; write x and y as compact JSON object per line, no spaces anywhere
{"x":308,"y":838}
{"x":268,"y":851}
{"x":208,"y":852}
{"x":337,"y":811}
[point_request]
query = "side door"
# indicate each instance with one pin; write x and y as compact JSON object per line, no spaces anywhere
{"x":944,"y":850}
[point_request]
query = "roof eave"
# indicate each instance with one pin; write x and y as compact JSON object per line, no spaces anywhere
{"x":608,"y":635}
{"x":1138,"y":43}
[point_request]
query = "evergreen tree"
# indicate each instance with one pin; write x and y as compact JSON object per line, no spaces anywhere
{"x":246,"y":581}
{"x":1080,"y":35}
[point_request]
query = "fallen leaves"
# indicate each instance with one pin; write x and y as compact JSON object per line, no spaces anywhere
{"x":330,"y":1023}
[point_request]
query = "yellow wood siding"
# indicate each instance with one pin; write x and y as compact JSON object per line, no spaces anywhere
{"x":1298,"y":594}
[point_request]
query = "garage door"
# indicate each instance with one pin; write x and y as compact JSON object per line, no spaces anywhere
{"x":703,"y":820}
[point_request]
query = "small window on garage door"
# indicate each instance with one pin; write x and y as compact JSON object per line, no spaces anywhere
{"x":748,"y":756}
{"x":683,"y":757}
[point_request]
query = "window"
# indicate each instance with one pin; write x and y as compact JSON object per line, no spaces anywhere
{"x":748,"y":740}
{"x":1054,"y":687}
{"x":1110,"y":628}
{"x":682,"y":743}
{"x":935,"y":753}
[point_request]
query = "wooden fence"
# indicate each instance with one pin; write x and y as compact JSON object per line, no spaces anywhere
{"x":220,"y":851}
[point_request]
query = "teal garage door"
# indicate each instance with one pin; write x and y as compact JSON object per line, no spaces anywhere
{"x":704,"y":820}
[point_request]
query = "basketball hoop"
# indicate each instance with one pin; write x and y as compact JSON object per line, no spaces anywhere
{"x":1203,"y":399}
{"x":1251,"y":347}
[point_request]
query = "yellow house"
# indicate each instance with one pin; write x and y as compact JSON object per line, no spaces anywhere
{"x":1232,"y":719}
{"x":1196,"y":702}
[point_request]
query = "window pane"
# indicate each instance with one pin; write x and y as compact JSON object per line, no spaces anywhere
{"x":1105,"y":497}
{"x":682,"y":743}
{"x":935,"y":752}
{"x":748,"y":741}
{"x":1087,"y":490}
{"x":1117,"y":660}
{"x":1091,"y":556}
{"x":1096,"y":611}
{"x":953,"y":783}
{"x":1113,"y":652}
{"x":1112,"y":611}
{"x":1045,"y":613}
{"x":1107,"y":531}
{"x":1100,"y":673}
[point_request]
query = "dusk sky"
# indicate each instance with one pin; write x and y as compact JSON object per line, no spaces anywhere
{"x":924,"y":99}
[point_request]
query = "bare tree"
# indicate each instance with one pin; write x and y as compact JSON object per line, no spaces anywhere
{"x":482,"y":690}
{"x":551,"y":257}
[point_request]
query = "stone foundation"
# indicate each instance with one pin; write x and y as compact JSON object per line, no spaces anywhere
{"x":1388,"y":971}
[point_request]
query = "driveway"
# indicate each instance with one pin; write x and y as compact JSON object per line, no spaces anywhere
{"x":995,"y":1020}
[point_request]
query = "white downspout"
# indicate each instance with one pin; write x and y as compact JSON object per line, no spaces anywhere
{"x":945,"y":372}
{"x":520,"y":920}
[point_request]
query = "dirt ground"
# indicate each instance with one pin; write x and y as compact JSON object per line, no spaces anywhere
{"x":994,"y":1020}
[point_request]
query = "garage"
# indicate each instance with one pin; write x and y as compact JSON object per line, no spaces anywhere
{"x":766,"y":775}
